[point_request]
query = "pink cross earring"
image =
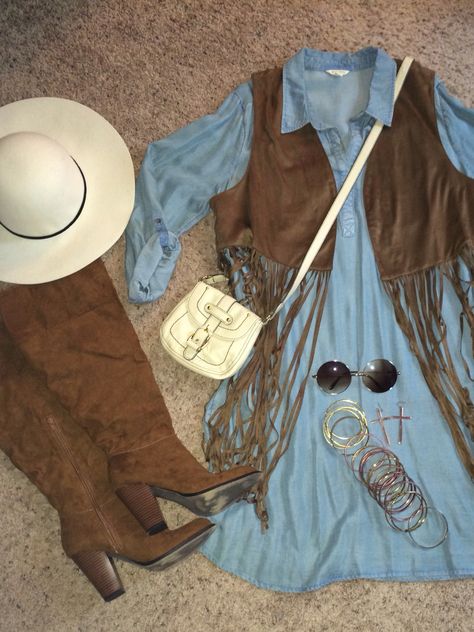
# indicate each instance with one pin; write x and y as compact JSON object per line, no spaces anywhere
{"x":401,"y":418}
{"x":381,"y":419}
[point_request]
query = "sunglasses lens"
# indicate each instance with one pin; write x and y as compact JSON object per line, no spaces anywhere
{"x":333,"y":377}
{"x":379,"y":375}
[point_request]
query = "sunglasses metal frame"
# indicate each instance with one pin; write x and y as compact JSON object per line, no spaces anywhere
{"x":356,"y":374}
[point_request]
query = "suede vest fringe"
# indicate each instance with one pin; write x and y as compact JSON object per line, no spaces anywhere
{"x":421,"y":224}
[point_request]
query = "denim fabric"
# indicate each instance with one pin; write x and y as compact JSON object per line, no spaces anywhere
{"x":323,"y":524}
{"x":179,"y":174}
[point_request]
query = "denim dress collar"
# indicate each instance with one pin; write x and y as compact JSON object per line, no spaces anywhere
{"x":298,"y":110}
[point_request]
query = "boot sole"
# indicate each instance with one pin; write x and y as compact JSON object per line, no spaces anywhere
{"x":176,"y":554}
{"x":212,"y":500}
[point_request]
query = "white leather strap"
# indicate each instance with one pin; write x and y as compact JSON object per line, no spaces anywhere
{"x":343,"y":192}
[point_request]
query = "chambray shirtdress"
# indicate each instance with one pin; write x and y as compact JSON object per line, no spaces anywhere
{"x":324,"y":526}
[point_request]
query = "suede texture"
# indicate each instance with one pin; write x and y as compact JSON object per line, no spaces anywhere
{"x":58,"y":456}
{"x":76,"y":334}
{"x":167,"y":463}
{"x":410,"y":187}
{"x":423,"y":194}
{"x":29,"y":420}
{"x":288,"y":177}
{"x":85,"y":532}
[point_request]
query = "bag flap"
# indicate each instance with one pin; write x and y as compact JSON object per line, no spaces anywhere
{"x":242,"y":318}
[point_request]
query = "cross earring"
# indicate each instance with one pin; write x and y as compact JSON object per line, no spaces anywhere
{"x":401,"y":418}
{"x":381,"y":419}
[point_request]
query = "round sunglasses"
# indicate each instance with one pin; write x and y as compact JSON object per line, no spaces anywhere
{"x":378,"y":376}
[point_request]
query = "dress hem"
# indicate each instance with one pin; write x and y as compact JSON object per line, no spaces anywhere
{"x":420,"y":576}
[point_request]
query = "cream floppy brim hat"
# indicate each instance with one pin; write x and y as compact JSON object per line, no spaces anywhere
{"x":108,"y":170}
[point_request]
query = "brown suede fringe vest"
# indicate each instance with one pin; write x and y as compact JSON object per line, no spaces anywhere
{"x":420,"y":217}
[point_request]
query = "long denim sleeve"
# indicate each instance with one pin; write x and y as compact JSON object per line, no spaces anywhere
{"x":456,"y":128}
{"x":178,"y":176}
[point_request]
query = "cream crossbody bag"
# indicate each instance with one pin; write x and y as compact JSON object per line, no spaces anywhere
{"x":209,"y":331}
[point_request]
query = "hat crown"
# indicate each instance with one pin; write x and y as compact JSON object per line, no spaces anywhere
{"x":41,"y":187}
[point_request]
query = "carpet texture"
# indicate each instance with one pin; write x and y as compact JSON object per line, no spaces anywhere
{"x":150,"y":67}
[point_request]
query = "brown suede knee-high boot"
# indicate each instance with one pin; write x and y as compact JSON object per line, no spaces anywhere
{"x":77,"y":334}
{"x":58,"y":456}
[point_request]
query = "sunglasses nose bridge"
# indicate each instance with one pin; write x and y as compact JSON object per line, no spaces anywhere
{"x":378,"y":376}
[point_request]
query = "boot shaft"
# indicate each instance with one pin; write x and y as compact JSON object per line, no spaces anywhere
{"x":76,"y":332}
{"x":42,"y":440}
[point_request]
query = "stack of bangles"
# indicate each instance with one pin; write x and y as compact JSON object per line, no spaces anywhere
{"x":380,"y":471}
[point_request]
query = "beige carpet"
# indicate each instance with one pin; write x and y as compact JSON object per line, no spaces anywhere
{"x":150,"y":67}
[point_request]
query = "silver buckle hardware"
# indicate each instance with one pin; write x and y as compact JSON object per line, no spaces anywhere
{"x":196,"y":342}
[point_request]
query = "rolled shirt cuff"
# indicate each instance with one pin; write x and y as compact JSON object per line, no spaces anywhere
{"x":148,"y":275}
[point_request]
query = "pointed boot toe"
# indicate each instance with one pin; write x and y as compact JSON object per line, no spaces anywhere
{"x":170,"y":471}
{"x":176,"y":544}
{"x":158,"y":553}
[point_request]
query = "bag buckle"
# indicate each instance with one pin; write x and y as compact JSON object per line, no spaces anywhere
{"x":196,"y":342}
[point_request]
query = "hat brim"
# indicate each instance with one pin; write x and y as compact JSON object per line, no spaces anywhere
{"x":107,"y":166}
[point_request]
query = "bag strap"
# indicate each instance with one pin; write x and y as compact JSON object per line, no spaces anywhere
{"x":343,"y":193}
